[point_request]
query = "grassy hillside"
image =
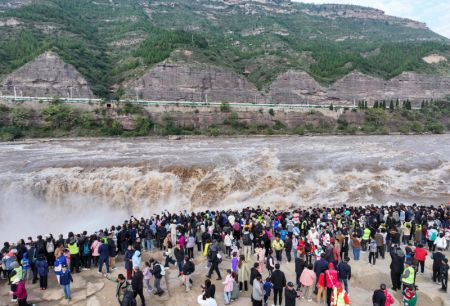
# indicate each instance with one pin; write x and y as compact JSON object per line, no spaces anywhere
{"x":110,"y":41}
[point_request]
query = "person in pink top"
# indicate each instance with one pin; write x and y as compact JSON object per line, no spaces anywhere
{"x":261,"y":254}
{"x":94,"y":248}
{"x":21,"y":293}
{"x":331,"y":280}
{"x":182,"y":241}
{"x":308,"y":279}
{"x":228,"y":288}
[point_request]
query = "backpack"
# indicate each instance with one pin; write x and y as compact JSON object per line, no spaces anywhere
{"x":246,"y":239}
{"x":433,"y":236}
{"x":50,"y":247}
{"x":86,"y":250}
{"x":163,"y":270}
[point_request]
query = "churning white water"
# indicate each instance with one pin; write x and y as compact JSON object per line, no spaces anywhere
{"x":57,"y":186}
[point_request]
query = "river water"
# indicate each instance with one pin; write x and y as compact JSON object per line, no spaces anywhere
{"x":62,"y":185}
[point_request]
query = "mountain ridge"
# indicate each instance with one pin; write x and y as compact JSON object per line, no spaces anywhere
{"x":112,"y":43}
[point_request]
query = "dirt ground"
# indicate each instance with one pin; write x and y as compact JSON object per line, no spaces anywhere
{"x":92,"y":289}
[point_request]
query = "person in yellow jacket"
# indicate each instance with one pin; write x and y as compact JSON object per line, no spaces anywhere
{"x":278,"y":246}
{"x":339,"y":297}
{"x":365,"y":238}
{"x":408,"y":275}
{"x":74,"y":251}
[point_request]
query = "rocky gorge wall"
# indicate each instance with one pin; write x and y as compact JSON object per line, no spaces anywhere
{"x":181,"y":82}
{"x":49,"y":76}
{"x":46,"y":76}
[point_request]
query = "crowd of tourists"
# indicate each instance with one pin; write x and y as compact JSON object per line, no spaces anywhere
{"x":257,"y":244}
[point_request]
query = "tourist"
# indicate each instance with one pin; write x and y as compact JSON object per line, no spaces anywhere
{"x":378,"y":297}
{"x":409,"y":296}
{"x":215,"y":258}
{"x":396,"y":266}
{"x":440,"y":242}
{"x":432,"y":235}
{"x":299,"y":266}
{"x":444,"y":274}
{"x":228,"y":287}
{"x":147,"y":272}
{"x":243,"y":274}
{"x":104,"y":257}
{"x":356,"y":247}
{"x":74,"y":251}
{"x":420,"y":254}
{"x":136,"y":259}
{"x":21,"y":292}
{"x":290,"y":294}
{"x":267,"y":286}
{"x":158,"y":272}
{"x":278,"y":246}
{"x":64,"y":280}
{"x":188,"y":269}
{"x":42,"y":270}
{"x":112,"y":251}
{"x":438,"y":258}
{"x":206,"y":300}
{"x":247,"y":240}
{"x":373,"y":249}
{"x":344,"y":272}
{"x":331,"y":280}
{"x":95,"y":245}
{"x":307,"y":281}
{"x":210,"y":288}
{"x":270,"y":263}
{"x":279,"y":282}
{"x":178,"y":252}
{"x":137,"y":284}
{"x":121,"y":283}
{"x":258,"y":291}
{"x":190,"y":245}
{"x":339,"y":296}
{"x":169,"y":254}
{"x":408,"y":276}
{"x":128,"y":261}
{"x":128,"y":297}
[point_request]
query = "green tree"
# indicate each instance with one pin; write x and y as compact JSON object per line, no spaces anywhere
{"x":271,"y":112}
{"x":391,"y":106}
{"x":331,"y":107}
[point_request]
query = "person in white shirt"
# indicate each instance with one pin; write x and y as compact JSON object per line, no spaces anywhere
{"x":441,"y":242}
{"x":206,"y":300}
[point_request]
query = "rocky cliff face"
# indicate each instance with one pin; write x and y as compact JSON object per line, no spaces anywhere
{"x":175,"y":82}
{"x":46,"y":76}
{"x":293,"y":86}
{"x":334,"y":11}
{"x":178,"y":82}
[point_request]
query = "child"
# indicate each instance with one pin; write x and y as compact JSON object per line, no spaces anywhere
{"x":372,"y":251}
{"x":21,"y":293}
{"x":267,"y":289}
{"x":42,"y":270}
{"x":147,"y":276}
{"x":25,"y":262}
{"x":409,"y":296}
{"x":228,"y":288}
{"x":444,"y":274}
{"x":64,"y":280}
{"x":234,"y":262}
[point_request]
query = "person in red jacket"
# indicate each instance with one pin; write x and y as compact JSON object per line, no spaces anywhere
{"x":21,"y":293}
{"x":331,"y":281}
{"x":421,"y":256}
